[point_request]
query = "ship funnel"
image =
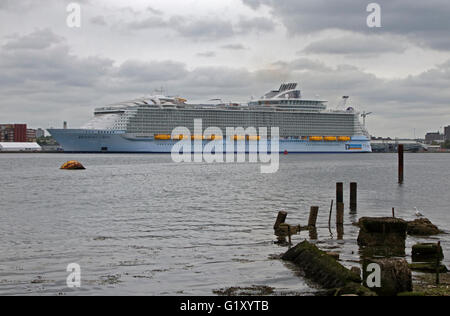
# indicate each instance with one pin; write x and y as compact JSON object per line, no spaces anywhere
{"x":343,"y":102}
{"x":287,"y":86}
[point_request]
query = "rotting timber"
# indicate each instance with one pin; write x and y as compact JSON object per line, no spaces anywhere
{"x":384,"y":236}
{"x":325,"y":270}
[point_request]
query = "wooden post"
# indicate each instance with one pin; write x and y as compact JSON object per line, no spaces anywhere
{"x":289,"y":235}
{"x":340,"y":209}
{"x":438,"y":262}
{"x":339,"y":193}
{"x":353,"y":197}
{"x":400,"y":164}
{"x":340,"y":214}
{"x":329,"y":218}
{"x":281,"y":218}
{"x":313,"y":216}
{"x":393,"y":212}
{"x":313,"y":233}
{"x":340,"y":232}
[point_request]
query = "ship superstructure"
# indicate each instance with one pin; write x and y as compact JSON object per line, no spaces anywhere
{"x":146,"y":124}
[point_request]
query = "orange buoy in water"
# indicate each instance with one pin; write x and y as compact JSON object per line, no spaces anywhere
{"x":72,"y":165}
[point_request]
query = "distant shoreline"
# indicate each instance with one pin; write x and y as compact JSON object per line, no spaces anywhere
{"x":70,"y":152}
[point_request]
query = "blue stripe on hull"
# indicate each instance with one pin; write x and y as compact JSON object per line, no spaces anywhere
{"x":89,"y":141}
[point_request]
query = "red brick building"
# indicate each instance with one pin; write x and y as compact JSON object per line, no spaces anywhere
{"x":13,"y":133}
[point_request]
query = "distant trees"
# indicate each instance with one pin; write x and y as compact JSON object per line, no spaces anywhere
{"x":46,"y":141}
{"x":446,"y":144}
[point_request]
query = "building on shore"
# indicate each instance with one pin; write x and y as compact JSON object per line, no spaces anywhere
{"x":447,"y":132}
{"x":31,"y":135}
{"x":19,"y":147}
{"x":40,"y":133}
{"x":13,"y":133}
{"x":391,"y":145}
{"x":434,"y":137}
{"x":19,"y":133}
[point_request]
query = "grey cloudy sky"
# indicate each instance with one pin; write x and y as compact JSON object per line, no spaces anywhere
{"x":231,"y":49}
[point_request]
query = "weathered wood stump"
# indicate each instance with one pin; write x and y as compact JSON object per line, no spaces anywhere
{"x":396,"y":276}
{"x":286,"y":229}
{"x":283,"y":230}
{"x":427,"y":252}
{"x":383,"y":236}
{"x":428,"y":267}
{"x":422,"y":227}
{"x":281,"y":218}
{"x":313,"y":216}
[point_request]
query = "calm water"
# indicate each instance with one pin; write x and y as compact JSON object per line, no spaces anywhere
{"x":140,"y":224}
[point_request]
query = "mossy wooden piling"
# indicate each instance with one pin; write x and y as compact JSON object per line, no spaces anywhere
{"x":422,"y":227}
{"x":384,"y":236}
{"x":396,"y":276}
{"x":426,"y":252}
{"x":325,"y":270}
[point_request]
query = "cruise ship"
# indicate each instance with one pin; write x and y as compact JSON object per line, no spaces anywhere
{"x":146,"y":125}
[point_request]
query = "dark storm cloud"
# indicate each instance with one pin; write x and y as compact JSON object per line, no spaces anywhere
{"x":426,"y":22}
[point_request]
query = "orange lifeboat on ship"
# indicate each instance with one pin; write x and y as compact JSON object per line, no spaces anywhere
{"x":253,"y":138}
{"x":179,"y":137}
{"x":237,"y":137}
{"x":214,"y":137}
{"x":197,"y":137}
{"x":162,"y":137}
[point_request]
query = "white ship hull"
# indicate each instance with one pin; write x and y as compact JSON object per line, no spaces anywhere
{"x":96,"y":141}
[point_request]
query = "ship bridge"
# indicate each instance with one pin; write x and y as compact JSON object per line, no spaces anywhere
{"x":288,"y":98}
